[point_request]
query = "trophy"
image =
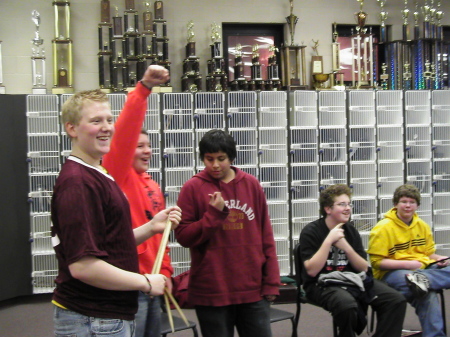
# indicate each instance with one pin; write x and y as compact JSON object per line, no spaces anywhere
{"x":239,"y":82}
{"x":292,"y":21}
{"x":37,"y":58}
{"x":273,"y":77}
{"x":256,"y":82}
{"x":383,"y":18}
{"x":426,"y":11}
{"x":384,"y":77}
{"x":119,"y":67}
{"x":131,"y":39}
{"x":362,"y":51}
{"x":2,"y":87}
{"x":407,"y":77}
{"x":405,"y":14}
{"x":105,"y":38}
{"x":416,"y":15}
{"x":336,"y":62}
{"x":317,"y":68}
{"x":160,"y":44}
{"x":217,"y":79}
{"x":147,"y":33}
{"x":191,"y":80}
{"x":293,"y":57}
{"x":439,"y":15}
{"x":62,"y":50}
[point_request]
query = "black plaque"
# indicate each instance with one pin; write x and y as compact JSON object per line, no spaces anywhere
{"x":105,"y":11}
{"x":159,"y":10}
{"x":148,"y":21}
{"x":117,"y":26}
{"x":129,"y":4}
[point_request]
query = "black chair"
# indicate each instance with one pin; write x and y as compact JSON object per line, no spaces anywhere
{"x":301,"y":297}
{"x":277,"y":315}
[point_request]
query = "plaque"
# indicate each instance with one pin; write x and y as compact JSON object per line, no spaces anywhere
{"x":147,"y":18}
{"x":117,"y":24}
{"x":316,"y":61}
{"x":105,"y":11}
{"x":159,"y":10}
{"x":129,"y":4}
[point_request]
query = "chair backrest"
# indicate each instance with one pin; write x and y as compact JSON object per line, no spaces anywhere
{"x":298,"y":265}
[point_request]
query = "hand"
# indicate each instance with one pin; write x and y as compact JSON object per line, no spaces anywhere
{"x":336,"y":234}
{"x":216,"y":200}
{"x":160,"y":220}
{"x":158,"y":282}
{"x":155,"y":75}
{"x":443,"y":263}
{"x":270,"y":298}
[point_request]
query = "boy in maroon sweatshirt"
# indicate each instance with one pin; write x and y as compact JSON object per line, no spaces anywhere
{"x":225,"y":223}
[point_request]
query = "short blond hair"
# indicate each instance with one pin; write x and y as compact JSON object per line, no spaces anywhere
{"x":71,"y":109}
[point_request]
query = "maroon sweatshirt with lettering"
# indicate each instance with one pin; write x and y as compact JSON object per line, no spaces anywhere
{"x":233,"y":254}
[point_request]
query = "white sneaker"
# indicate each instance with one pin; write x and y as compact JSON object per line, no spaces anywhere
{"x":418,"y":283}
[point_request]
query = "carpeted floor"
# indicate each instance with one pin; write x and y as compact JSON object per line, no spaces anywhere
{"x":31,"y":316}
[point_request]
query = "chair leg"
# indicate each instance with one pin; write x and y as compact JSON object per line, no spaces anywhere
{"x":194,"y":329}
{"x":297,"y":315}
{"x":294,"y":327}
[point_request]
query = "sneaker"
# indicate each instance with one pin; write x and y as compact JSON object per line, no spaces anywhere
{"x":418,"y":283}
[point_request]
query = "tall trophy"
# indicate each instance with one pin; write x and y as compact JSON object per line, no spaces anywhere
{"x":62,"y":50}
{"x":105,"y":38}
{"x":405,"y":15}
{"x":239,"y":82}
{"x":337,"y":77}
{"x":37,"y":57}
{"x":2,"y":87}
{"x":191,"y":81}
{"x":146,"y":38}
{"x":273,"y":76}
{"x":293,"y":57}
{"x":132,"y":44}
{"x":119,"y":72}
{"x":383,"y":17}
{"x":160,"y":43}
{"x":362,"y":51}
{"x":256,"y":82}
{"x":217,"y":80}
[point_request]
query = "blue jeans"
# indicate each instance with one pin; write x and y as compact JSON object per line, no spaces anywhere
{"x":148,"y":317}
{"x":250,"y":319}
{"x":72,"y":324}
{"x":427,"y":308}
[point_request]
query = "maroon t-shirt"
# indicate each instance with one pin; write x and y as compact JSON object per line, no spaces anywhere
{"x":91,"y":217}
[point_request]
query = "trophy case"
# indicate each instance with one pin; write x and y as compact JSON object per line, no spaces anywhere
{"x":62,"y":50}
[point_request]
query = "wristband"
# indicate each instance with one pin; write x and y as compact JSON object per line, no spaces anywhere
{"x":150,"y":285}
{"x":149,"y":88}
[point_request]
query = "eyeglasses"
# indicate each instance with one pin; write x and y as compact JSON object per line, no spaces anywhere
{"x":344,"y":204}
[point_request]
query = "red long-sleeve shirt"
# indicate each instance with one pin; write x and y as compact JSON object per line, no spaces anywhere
{"x":144,"y":194}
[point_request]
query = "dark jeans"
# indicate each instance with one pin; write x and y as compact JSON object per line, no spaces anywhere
{"x":389,"y":305}
{"x":250,"y":319}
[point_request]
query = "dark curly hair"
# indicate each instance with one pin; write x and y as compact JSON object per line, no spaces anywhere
{"x":217,"y":140}
{"x":328,"y":195}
